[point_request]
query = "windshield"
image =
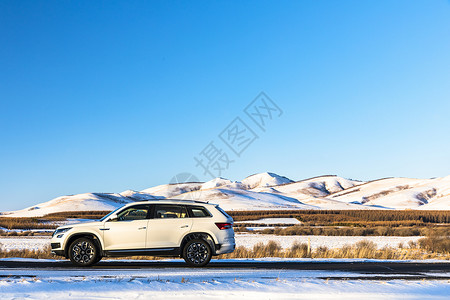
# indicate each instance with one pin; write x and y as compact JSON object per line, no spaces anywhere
{"x":105,"y":217}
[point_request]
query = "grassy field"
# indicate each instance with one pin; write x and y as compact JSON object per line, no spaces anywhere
{"x":350,"y":217}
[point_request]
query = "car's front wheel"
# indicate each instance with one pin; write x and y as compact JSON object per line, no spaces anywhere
{"x":83,"y":252}
{"x":197,"y":253}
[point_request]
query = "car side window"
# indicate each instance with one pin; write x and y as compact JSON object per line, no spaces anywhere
{"x":199,"y":212}
{"x":167,"y":211}
{"x":138,"y":212}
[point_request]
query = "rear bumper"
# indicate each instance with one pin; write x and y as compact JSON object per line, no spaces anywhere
{"x":226,"y":248}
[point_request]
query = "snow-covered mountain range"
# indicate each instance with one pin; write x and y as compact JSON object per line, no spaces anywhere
{"x":270,"y":191}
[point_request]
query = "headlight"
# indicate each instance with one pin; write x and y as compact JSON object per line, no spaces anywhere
{"x":61,"y":231}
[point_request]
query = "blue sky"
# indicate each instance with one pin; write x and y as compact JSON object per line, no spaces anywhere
{"x":103,"y":96}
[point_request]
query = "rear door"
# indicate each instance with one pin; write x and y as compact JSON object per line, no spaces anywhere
{"x":129,"y":231}
{"x":167,"y":226}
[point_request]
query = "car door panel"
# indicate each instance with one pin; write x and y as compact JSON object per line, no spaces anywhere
{"x":167,"y":228}
{"x":128,"y":230}
{"x":125,"y":235}
{"x":167,"y":233}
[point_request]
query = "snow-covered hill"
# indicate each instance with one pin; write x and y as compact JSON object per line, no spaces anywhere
{"x":400,"y":193}
{"x":80,"y":202}
{"x":271,"y":191}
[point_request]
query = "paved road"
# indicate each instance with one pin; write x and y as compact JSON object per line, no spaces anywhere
{"x":386,"y":268}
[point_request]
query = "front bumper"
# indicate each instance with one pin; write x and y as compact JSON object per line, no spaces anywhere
{"x":59,"y":252}
{"x":57,"y":246}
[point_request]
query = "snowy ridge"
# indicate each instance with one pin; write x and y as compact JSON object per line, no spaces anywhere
{"x":264,"y":180}
{"x":269,"y":191}
{"x":400,"y":193}
{"x":80,"y":202}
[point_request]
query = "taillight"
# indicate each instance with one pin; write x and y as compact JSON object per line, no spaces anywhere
{"x":223,"y":226}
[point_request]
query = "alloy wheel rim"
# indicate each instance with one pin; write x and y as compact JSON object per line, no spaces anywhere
{"x":197,"y":253}
{"x":83,"y":252}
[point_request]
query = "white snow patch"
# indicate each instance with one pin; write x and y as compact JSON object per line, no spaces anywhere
{"x":272,"y":221}
{"x":248,"y":240}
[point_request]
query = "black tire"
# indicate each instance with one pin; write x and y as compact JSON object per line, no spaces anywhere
{"x":197,"y":253}
{"x":99,"y":258}
{"x":83,"y":252}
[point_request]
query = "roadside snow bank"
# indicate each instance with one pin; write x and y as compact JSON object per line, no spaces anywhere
{"x":216,"y":283}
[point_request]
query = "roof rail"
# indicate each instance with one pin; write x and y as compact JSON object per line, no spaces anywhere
{"x":181,"y":200}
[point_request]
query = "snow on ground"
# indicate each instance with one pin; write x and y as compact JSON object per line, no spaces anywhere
{"x":22,"y":243}
{"x":247,"y":240}
{"x":260,"y":228}
{"x":215,"y":283}
{"x":273,"y":221}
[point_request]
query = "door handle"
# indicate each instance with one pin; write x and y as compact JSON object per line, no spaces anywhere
{"x":105,"y":228}
{"x":184,"y":226}
{"x":142,"y":228}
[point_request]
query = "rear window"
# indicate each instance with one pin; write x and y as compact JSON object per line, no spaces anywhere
{"x":168,"y":211}
{"x":199,"y":212}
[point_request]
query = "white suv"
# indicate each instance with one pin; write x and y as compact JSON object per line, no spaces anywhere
{"x":193,"y":230}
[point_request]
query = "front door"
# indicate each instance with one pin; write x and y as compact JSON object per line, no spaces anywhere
{"x":169,"y":224}
{"x":129,"y":230}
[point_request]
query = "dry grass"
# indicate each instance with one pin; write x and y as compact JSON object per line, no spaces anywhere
{"x":23,"y":233}
{"x":344,"y":231}
{"x":362,"y":249}
{"x":25,"y":253}
{"x":25,"y":223}
{"x":437,"y":241}
{"x":326,"y":217}
{"x":76,"y":215}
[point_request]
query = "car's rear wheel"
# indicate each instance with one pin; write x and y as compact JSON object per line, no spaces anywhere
{"x":83,"y":252}
{"x":197,"y":253}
